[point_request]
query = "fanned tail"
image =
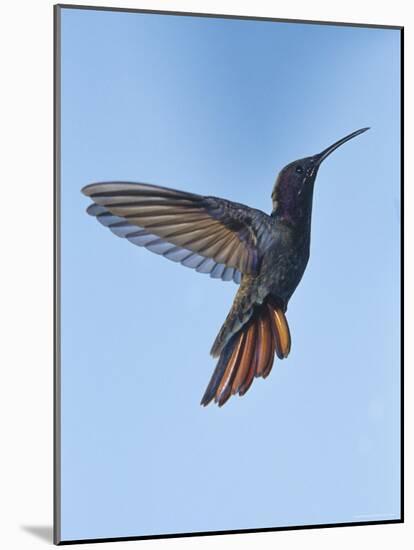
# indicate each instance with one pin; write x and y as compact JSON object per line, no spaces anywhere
{"x":249,"y":353}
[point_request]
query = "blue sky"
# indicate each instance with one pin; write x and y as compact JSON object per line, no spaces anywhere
{"x":218,"y":106}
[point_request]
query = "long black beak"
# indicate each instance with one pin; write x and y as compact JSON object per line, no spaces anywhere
{"x":326,"y":152}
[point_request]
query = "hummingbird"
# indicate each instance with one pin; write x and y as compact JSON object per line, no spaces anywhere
{"x":265,"y":254}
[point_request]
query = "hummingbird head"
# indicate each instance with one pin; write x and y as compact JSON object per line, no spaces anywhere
{"x":293,"y":190}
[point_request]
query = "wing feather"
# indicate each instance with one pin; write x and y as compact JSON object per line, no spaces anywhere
{"x":211,"y":235}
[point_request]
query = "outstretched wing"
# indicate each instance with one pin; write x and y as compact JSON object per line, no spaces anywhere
{"x":209,"y":234}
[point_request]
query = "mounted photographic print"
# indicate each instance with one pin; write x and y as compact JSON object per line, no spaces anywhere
{"x":228,"y":274}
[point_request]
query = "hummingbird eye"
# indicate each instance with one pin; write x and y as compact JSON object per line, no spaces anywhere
{"x":299,"y":170}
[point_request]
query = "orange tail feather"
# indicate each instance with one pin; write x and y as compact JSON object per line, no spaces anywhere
{"x":249,"y":354}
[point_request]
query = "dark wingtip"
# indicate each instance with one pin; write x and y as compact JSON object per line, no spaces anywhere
{"x":85,"y":188}
{"x":92,"y":208}
{"x":88,"y":189}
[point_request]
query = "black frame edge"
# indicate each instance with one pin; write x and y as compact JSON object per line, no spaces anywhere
{"x":56,"y":276}
{"x":227,"y":16}
{"x":402,"y":264}
{"x":233,"y":532}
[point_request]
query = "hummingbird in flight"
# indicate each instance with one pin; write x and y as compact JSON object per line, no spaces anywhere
{"x":265,"y":254}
